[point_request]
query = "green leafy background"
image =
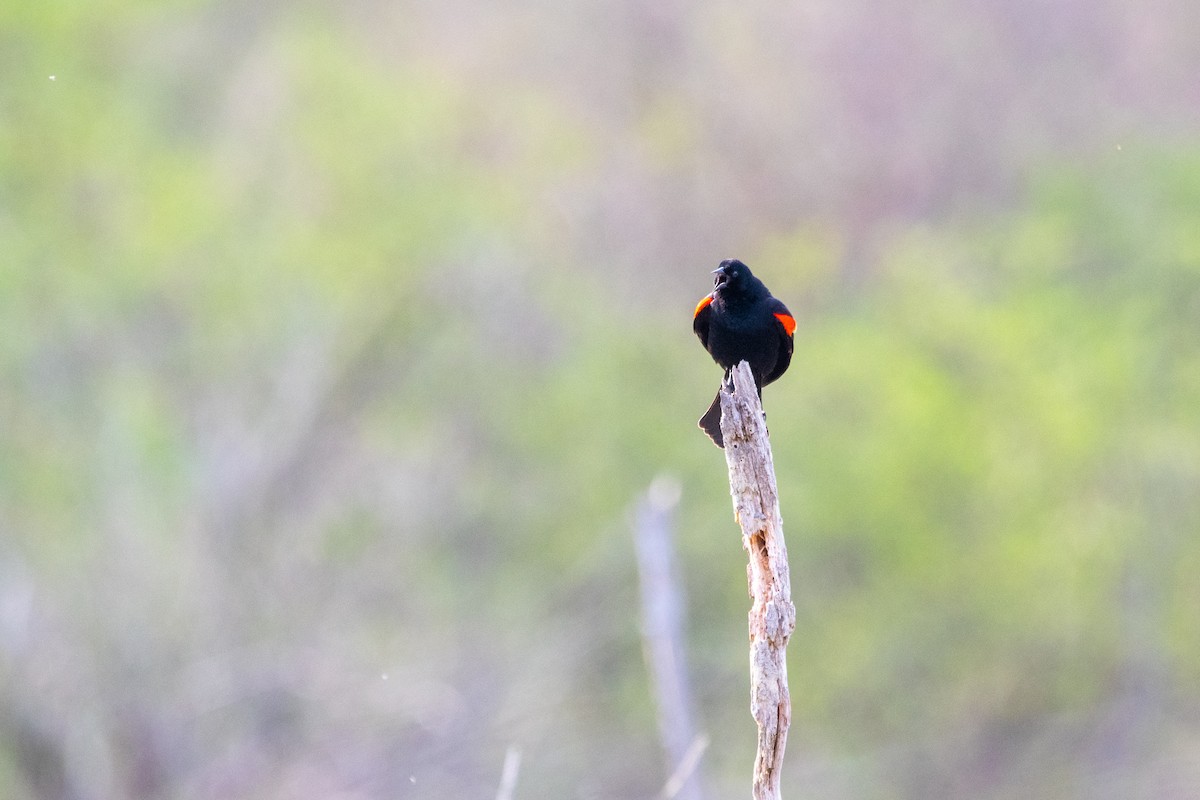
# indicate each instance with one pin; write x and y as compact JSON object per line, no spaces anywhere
{"x":339,"y":340}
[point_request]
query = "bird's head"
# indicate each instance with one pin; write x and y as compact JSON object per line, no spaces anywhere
{"x":733,"y":277}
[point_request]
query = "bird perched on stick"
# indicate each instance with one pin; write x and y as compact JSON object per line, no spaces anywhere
{"x":741,"y":321}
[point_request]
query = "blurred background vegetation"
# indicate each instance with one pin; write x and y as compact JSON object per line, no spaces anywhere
{"x":337,"y":341}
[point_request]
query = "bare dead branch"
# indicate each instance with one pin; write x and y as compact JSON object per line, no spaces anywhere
{"x":772,"y":614}
{"x":663,"y":638}
{"x":681,"y":777}
{"x":508,"y":774}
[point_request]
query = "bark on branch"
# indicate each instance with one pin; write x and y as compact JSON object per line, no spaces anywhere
{"x":772,"y":615}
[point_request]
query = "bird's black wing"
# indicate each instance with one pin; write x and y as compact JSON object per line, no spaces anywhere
{"x":786,"y":327}
{"x":702,"y":318}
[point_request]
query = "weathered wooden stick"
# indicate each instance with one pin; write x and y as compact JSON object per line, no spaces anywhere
{"x":508,"y":774}
{"x":772,"y":615}
{"x":663,"y":638}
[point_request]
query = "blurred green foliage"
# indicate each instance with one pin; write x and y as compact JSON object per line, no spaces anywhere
{"x":336,"y":344}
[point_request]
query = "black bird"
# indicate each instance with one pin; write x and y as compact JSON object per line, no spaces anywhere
{"x":741,"y":321}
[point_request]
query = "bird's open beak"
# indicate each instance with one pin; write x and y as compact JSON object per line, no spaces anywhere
{"x":721,"y":278}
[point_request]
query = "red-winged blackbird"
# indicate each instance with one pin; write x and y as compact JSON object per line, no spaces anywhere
{"x":741,"y":321}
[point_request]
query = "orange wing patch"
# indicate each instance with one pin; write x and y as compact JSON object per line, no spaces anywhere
{"x":789,"y":324}
{"x":701,"y":305}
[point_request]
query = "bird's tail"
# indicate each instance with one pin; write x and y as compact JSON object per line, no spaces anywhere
{"x":710,"y":423}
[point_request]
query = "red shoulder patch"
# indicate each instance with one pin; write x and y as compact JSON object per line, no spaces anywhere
{"x":789,"y":324}
{"x":702,"y":305}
